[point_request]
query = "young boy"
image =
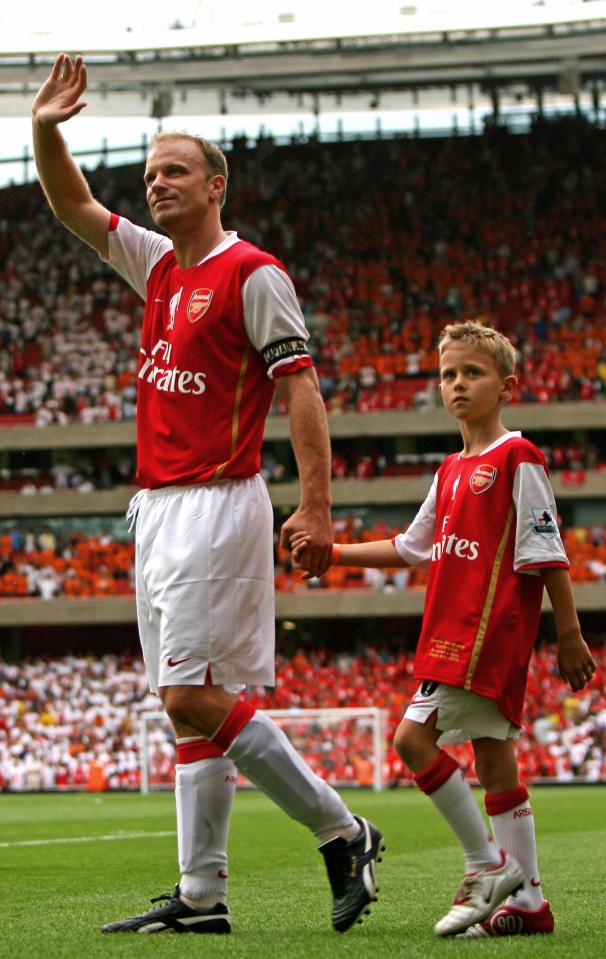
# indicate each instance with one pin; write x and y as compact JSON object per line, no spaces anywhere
{"x":488,"y":531}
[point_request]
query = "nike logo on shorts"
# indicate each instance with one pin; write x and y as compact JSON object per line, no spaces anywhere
{"x":176,"y":662}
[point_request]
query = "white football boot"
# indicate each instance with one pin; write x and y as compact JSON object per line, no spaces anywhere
{"x":480,"y":893}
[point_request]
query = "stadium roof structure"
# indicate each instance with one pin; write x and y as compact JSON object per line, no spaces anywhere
{"x":222,"y":61}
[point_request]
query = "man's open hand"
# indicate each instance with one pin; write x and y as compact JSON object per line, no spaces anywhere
{"x":59,"y":96}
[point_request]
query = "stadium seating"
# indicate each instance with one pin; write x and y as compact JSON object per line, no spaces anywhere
{"x":71,"y":722}
{"x":80,"y":566}
{"x":386,"y":242}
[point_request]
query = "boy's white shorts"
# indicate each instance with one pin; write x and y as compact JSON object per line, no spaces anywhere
{"x":205,"y":584}
{"x":462,"y":715}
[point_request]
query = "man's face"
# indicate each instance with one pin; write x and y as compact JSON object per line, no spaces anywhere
{"x":179,"y":189}
{"x":472,"y":386}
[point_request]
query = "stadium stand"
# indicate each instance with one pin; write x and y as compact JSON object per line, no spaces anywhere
{"x":90,"y":470}
{"x":77,"y":565}
{"x":387,"y":241}
{"x":71,"y":722}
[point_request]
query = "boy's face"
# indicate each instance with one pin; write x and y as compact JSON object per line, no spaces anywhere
{"x":472,"y":387}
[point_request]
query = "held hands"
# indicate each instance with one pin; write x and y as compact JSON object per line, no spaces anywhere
{"x":59,"y":96}
{"x":300,"y":544}
{"x":315,"y":526}
{"x":575,"y":662}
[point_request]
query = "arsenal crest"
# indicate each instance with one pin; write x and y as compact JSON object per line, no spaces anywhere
{"x":198,"y":304}
{"x":482,"y":478}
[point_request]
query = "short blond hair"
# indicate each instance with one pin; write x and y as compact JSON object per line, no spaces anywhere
{"x":214,"y":160}
{"x":474,"y":333}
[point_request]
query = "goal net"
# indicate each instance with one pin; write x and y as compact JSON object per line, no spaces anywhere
{"x":346,"y":747}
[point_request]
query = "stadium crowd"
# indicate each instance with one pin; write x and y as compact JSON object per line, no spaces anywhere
{"x":72,"y":564}
{"x":46,"y":565}
{"x":386,"y":241}
{"x":73,"y":722}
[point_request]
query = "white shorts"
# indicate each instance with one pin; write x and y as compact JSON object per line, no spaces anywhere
{"x":205,"y":584}
{"x":462,"y":715}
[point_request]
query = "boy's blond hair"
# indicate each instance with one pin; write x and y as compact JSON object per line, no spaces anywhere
{"x":213,"y":159}
{"x":474,"y":333}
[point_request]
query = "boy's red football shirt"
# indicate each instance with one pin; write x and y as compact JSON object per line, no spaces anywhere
{"x":486,"y":528}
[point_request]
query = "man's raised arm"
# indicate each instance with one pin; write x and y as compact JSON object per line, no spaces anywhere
{"x":66,"y":189}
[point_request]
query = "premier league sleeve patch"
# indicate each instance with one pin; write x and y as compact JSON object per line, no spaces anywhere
{"x":543,"y":523}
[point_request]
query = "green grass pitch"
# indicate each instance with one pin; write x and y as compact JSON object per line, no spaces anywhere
{"x":70,"y":863}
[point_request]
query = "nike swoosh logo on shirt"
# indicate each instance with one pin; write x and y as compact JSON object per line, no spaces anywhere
{"x":175,"y":662}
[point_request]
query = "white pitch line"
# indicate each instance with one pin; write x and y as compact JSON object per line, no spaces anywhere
{"x":110,"y":837}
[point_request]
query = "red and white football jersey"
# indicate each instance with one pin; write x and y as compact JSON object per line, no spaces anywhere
{"x":214,"y":338}
{"x":486,"y":528}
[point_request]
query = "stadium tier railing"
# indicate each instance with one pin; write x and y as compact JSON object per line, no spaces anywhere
{"x":428,"y":422}
{"x":377,"y":491}
{"x":309,"y":604}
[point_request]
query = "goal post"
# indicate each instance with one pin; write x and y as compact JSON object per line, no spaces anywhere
{"x":345,"y":746}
